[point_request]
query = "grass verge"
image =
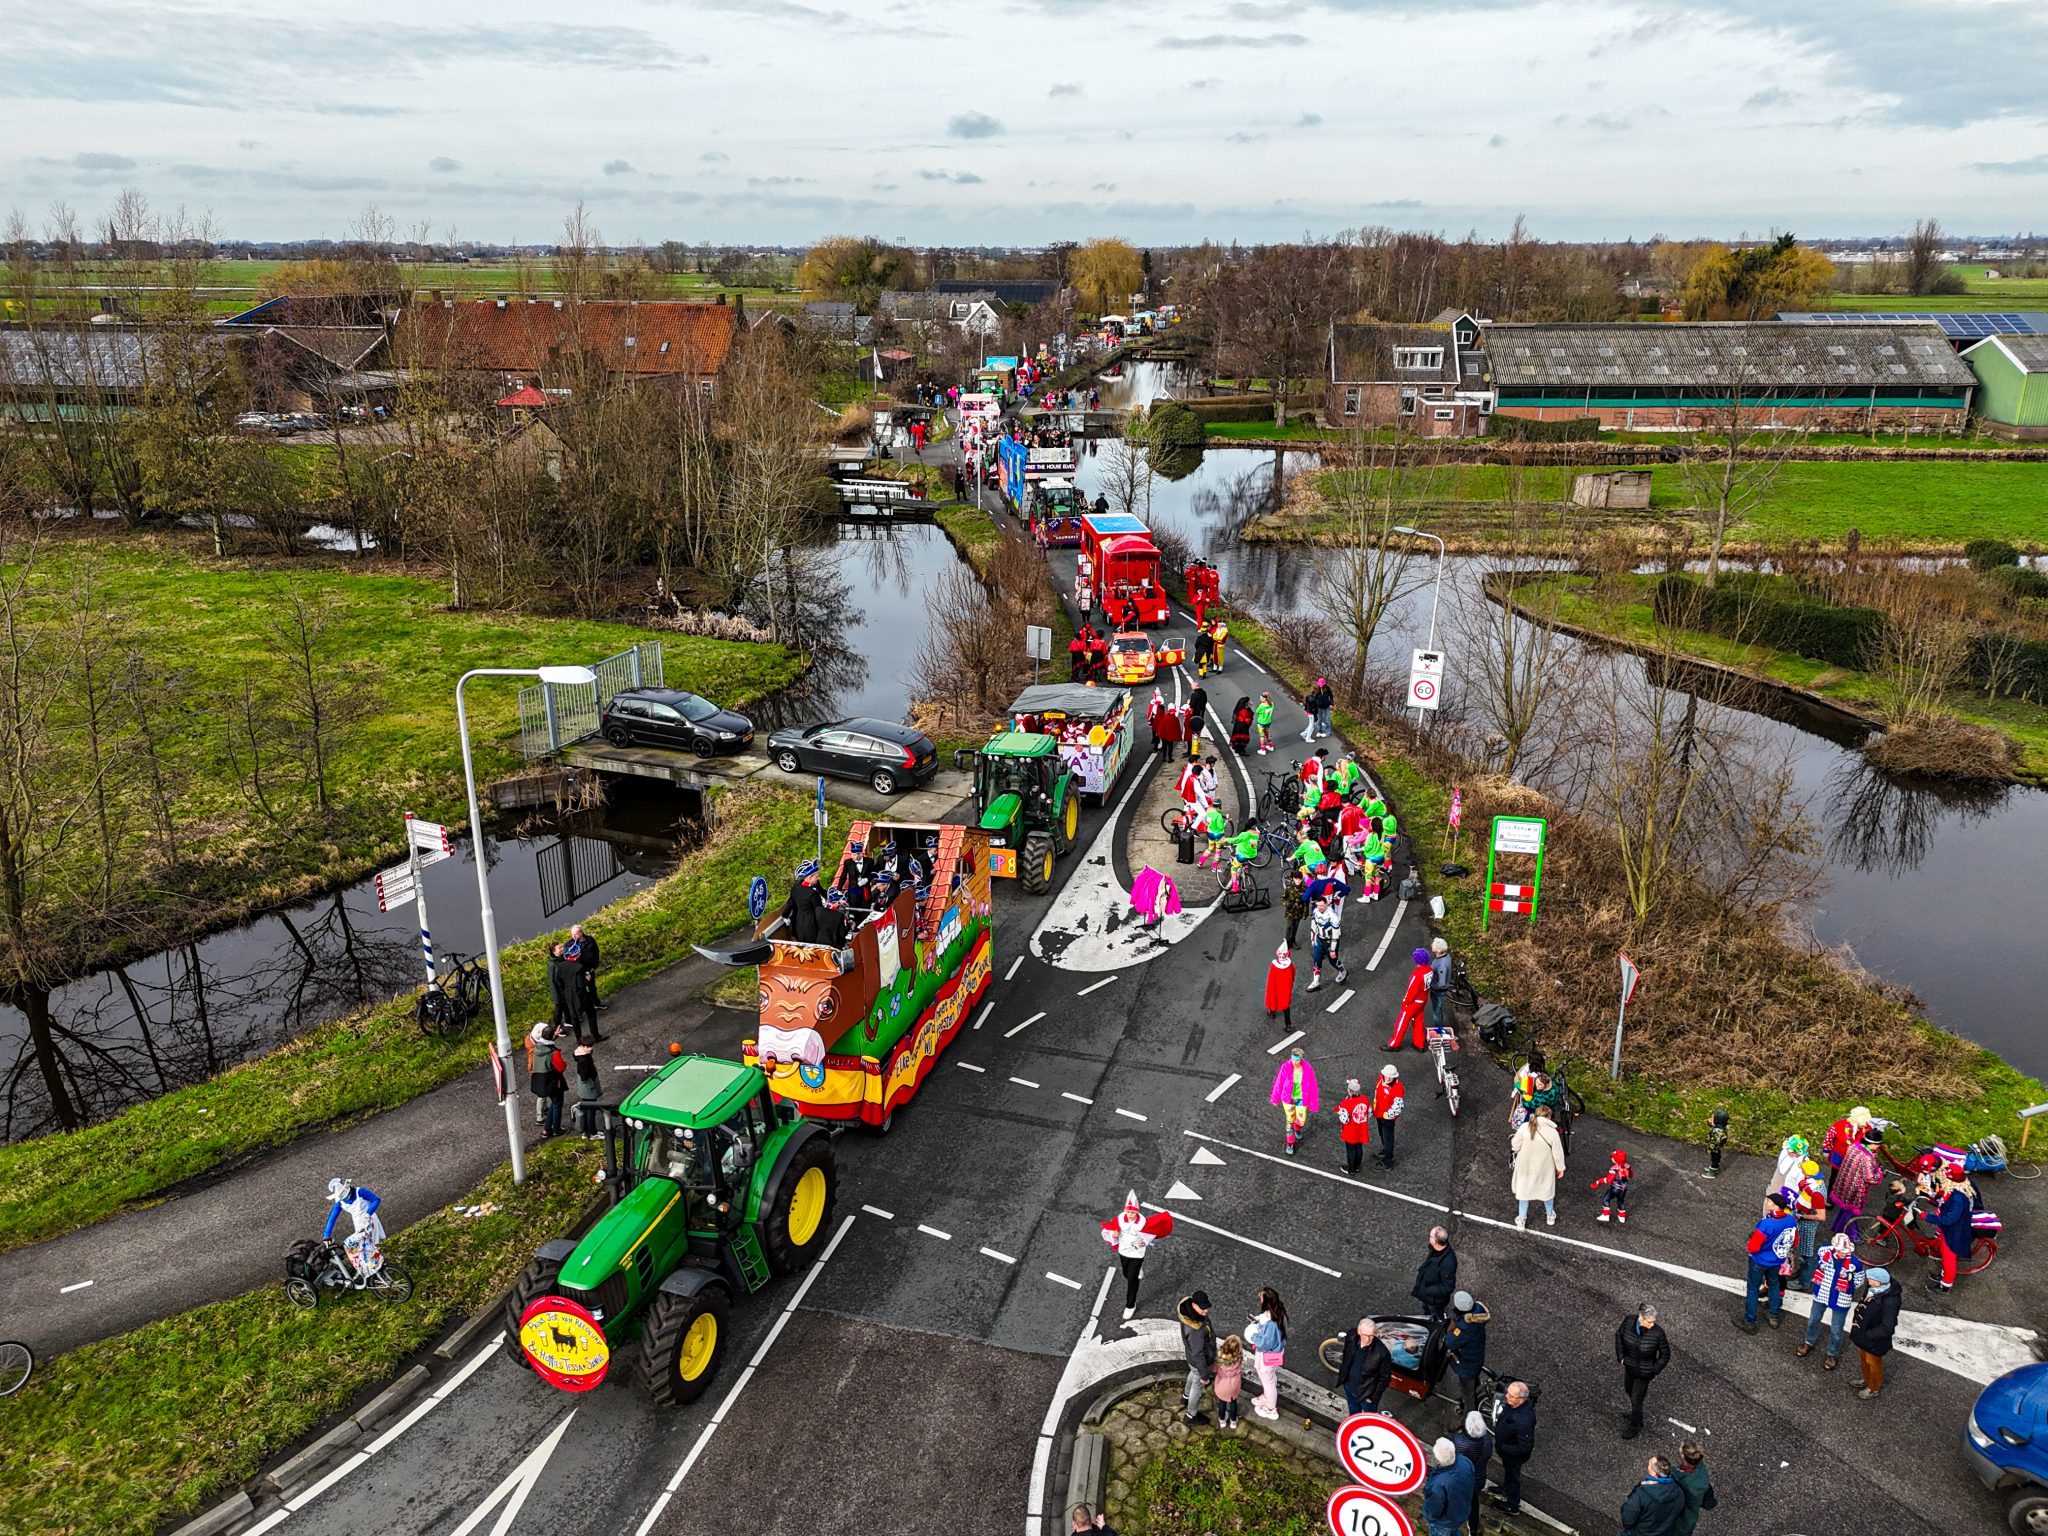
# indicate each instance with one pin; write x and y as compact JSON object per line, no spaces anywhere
{"x":120,"y":1436}
{"x":377,"y":1057}
{"x":973,"y":533}
{"x":1779,"y":1036}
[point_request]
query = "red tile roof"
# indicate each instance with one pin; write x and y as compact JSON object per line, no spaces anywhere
{"x":526,"y":395}
{"x":663,"y":337}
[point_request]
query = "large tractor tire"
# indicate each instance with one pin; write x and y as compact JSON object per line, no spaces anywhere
{"x":540,"y":1279}
{"x":1034,"y":863}
{"x":1067,"y":827}
{"x":796,"y":1219}
{"x":681,"y":1344}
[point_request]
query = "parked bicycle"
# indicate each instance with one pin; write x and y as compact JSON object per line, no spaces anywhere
{"x":452,"y":999}
{"x":1282,"y":791}
{"x":1442,"y":1041}
{"x":17,"y":1364}
{"x":1884,"y":1242}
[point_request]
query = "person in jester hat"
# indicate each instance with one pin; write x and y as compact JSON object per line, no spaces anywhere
{"x":1409,"y":1020}
{"x":1131,"y":1232}
{"x":1280,"y":987}
{"x":1294,"y":1090}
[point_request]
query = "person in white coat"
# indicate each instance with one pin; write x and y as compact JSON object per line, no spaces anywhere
{"x":1131,"y":1233}
{"x":1539,"y":1159}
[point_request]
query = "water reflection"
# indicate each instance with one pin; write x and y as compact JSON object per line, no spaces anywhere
{"x":1884,"y":824}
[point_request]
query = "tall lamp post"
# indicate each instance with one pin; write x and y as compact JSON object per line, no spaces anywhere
{"x":562,"y":676}
{"x":1436,"y":597}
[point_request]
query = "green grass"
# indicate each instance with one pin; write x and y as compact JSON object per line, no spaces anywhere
{"x":1207,"y":1485}
{"x":1760,"y":1117}
{"x":1618,"y":612}
{"x":1265,"y":431}
{"x":121,"y":1436}
{"x":393,"y":635}
{"x":1979,"y":292}
{"x":377,"y":1057}
{"x":455,"y":278}
{"x":973,"y":533}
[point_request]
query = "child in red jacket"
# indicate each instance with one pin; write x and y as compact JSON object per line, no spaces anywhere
{"x":1616,"y":1180}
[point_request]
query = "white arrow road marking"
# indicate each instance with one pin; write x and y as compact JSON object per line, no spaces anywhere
{"x":1204,"y":1158}
{"x":1180,"y":1191}
{"x":1249,"y":1242}
{"x":516,"y":1487}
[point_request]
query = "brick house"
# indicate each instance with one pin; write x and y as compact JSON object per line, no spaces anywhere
{"x":1431,"y":379}
{"x":503,"y":343}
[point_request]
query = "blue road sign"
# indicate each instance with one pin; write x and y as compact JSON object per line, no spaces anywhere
{"x":757,"y":898}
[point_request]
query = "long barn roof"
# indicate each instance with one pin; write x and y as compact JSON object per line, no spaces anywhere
{"x":1757,"y":355}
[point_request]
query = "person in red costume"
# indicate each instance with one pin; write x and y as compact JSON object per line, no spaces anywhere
{"x":1413,"y":1001}
{"x":1280,"y":987}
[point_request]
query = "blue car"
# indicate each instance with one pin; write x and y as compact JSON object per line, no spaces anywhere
{"x":2007,"y":1443}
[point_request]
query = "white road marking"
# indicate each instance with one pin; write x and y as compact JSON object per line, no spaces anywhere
{"x":427,"y":1405}
{"x":1387,"y":938}
{"x":1224,"y":1087}
{"x":1180,"y":1191}
{"x":1277,"y":1047}
{"x":1094,"y":986}
{"x":1072,"y":1285}
{"x":476,"y":1363}
{"x":1250,"y":1242}
{"x":1342,"y":998}
{"x":968,"y":1066}
{"x":294,"y":1505}
{"x":1322,"y":1173}
{"x":1011,"y":973}
{"x":1024,"y":1082}
{"x":66,"y":1290}
{"x":944,"y":1237}
{"x":1075,"y":1097}
{"x":517,"y":1486}
{"x":1204,"y":1158}
{"x":876,"y":1210}
{"x":1003,"y":1257}
{"x":704,"y":1439}
{"x":987,"y":1008}
{"x":1024,"y":1026}
{"x":277,"y":1516}
{"x":1690,"y":1429}
{"x":1130,"y":1114}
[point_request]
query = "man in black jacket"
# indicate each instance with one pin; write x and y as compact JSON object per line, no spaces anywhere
{"x":1643,"y":1350}
{"x":1438,"y":1277}
{"x":1198,"y":1343}
{"x":1654,"y":1505}
{"x":1365,"y":1370}
{"x":805,"y":904}
{"x":565,"y":989}
{"x":1514,"y":1442}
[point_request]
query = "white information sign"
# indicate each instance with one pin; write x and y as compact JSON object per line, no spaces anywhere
{"x":1518,"y":834}
{"x":1426,"y":680}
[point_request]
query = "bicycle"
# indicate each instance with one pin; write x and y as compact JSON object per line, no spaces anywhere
{"x":451,"y":999}
{"x":312,"y":1266}
{"x":1442,"y":1041}
{"x":1886,"y":1243}
{"x":1176,"y":819}
{"x":17,"y":1364}
{"x":1282,"y":791}
{"x":1273,"y":843}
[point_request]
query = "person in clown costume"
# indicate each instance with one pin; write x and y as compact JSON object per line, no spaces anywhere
{"x":1294,"y":1090}
{"x":1280,"y":987}
{"x":1131,"y":1232}
{"x":1409,"y":1020}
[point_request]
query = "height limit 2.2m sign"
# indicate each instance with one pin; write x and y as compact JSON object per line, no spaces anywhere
{"x":1426,"y":680}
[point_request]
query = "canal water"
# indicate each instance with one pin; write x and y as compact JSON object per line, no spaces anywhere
{"x":1930,"y":887}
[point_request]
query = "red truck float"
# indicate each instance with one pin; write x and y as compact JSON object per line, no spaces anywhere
{"x":1126,"y":565}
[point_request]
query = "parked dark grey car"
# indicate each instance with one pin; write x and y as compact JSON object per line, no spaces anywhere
{"x":669,"y":717}
{"x":890,"y":757}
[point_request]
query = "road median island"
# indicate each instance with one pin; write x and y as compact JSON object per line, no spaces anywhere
{"x":1785,"y":1038}
{"x":378,"y":1057}
{"x":119,"y":1436}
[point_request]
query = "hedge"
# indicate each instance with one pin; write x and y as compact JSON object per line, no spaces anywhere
{"x":2018,"y":580}
{"x":1170,"y":424}
{"x":1742,"y":608}
{"x":1576,"y":429}
{"x":1989,"y":554}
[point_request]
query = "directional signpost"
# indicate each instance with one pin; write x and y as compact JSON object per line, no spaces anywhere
{"x":1426,"y":680}
{"x":1515,"y":835}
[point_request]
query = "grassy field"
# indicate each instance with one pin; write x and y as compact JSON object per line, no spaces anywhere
{"x":1623,"y":611}
{"x":378,"y":1057}
{"x":1265,"y":431}
{"x":122,"y":1436}
{"x":1916,"y":504}
{"x":1979,"y":292}
{"x":391,"y":637}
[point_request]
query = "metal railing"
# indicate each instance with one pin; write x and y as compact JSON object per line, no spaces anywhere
{"x":553,"y":716}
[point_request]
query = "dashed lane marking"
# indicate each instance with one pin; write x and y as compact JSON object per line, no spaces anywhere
{"x":1342,"y":998}
{"x":1224,"y":1087}
{"x":1280,"y":1045}
{"x":1077,"y":1098}
{"x":1387,"y":938}
{"x":1072,"y":1285}
{"x":1023,"y":1082}
{"x":876,"y":1210}
{"x":1130,"y":1114}
{"x":1182,"y":1218}
{"x":1011,"y":973}
{"x":1024,"y":1026}
{"x":79,"y":1285}
{"x":944,"y":1237}
{"x":968,"y":1066}
{"x":1000,"y":1257}
{"x":1093,"y":986}
{"x":987,"y":1008}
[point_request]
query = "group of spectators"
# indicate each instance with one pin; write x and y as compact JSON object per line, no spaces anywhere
{"x":572,"y":991}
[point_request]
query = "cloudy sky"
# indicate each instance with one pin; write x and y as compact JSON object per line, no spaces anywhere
{"x":1022,"y":121}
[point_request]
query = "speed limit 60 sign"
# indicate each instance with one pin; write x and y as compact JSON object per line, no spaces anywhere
{"x":1361,"y":1512}
{"x":1382,"y":1453}
{"x":1426,"y":680}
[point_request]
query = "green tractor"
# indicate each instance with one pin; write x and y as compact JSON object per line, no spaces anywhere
{"x":715,"y":1189}
{"x":1028,"y":804}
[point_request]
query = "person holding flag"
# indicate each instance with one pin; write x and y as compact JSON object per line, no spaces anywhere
{"x":1131,"y":1232}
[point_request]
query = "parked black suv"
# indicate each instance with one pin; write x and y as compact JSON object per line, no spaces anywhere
{"x":669,"y":717}
{"x":889,"y":757}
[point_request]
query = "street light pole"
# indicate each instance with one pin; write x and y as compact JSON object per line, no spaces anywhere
{"x":493,"y":965}
{"x":1436,"y":597}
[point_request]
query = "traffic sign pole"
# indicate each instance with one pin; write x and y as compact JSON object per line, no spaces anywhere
{"x":419,"y":889}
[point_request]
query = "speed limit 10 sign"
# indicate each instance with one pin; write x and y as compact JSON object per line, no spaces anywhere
{"x":1361,"y":1512}
{"x":1381,"y":1453}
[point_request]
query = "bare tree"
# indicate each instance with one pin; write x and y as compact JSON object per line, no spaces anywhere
{"x":1731,"y":466}
{"x":1518,"y":664}
{"x":318,"y":699}
{"x":1372,"y":567}
{"x":1124,"y":472}
{"x":1272,"y":312}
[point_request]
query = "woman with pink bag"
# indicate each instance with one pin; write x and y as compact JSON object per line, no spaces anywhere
{"x":1265,"y":1340}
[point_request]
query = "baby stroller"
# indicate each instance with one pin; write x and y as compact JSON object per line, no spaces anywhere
{"x":1241,"y":726}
